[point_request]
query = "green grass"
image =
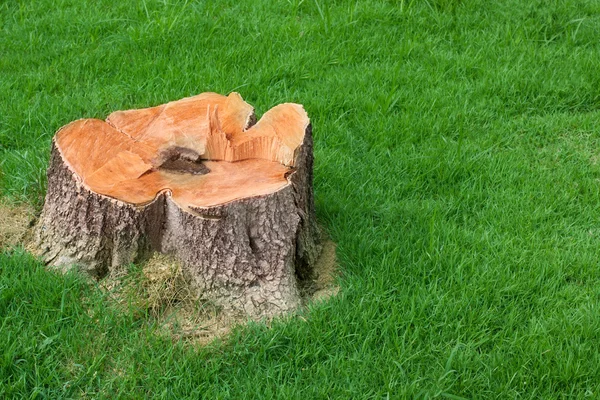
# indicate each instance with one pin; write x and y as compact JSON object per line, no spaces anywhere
{"x":457,"y":167}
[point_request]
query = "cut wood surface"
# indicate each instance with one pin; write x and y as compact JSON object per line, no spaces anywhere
{"x":197,"y":178}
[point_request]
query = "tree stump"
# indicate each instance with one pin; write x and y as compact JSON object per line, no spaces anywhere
{"x":198,"y":179}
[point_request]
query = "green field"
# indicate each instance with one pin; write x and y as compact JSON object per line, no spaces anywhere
{"x":457,"y":166}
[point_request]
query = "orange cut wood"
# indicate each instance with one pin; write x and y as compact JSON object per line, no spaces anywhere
{"x":122,"y":157}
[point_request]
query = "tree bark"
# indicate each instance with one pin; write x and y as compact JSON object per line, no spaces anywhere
{"x":244,"y":251}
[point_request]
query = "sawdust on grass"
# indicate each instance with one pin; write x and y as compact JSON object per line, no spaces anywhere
{"x":326,"y":271}
{"x":159,"y":290}
{"x":15,"y":221}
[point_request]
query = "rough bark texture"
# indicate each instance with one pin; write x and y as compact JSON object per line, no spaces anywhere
{"x":245,"y":255}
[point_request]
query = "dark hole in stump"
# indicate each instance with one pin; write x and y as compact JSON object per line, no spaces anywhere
{"x":181,"y":160}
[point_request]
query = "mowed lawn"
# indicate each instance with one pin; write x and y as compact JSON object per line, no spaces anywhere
{"x":457,"y":149}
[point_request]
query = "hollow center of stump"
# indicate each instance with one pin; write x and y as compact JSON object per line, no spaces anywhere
{"x":181,"y":160}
